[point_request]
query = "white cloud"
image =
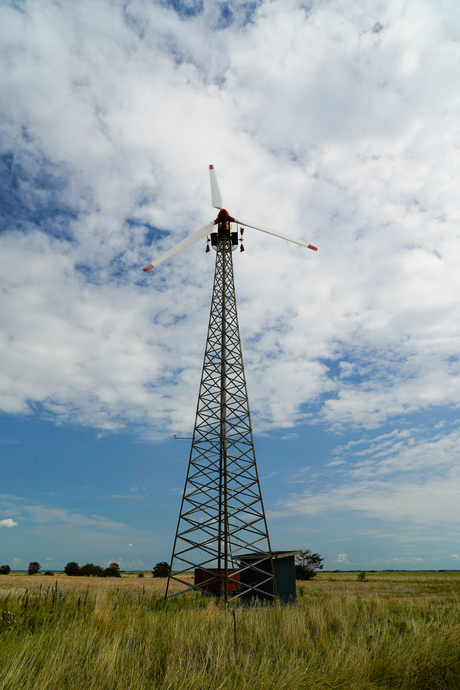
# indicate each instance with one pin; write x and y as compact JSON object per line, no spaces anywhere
{"x":335,"y":124}
{"x":127,"y":497}
{"x":408,"y":475}
{"x":405,"y":450}
{"x":455,"y":555}
{"x":175,"y":491}
{"x":8,"y":522}
{"x":425,"y":502}
{"x":411,"y":559}
{"x":74,"y":532}
{"x":137,"y":564}
{"x":60,"y":516}
{"x":342,"y":558}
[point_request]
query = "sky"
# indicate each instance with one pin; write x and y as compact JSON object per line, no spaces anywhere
{"x":333,"y":122}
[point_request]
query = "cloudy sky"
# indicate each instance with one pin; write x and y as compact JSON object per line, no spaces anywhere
{"x":335,"y":122}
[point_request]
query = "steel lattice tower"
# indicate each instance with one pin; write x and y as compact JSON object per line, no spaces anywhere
{"x":222,"y":516}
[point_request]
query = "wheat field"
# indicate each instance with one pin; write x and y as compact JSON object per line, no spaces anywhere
{"x":394,"y":630}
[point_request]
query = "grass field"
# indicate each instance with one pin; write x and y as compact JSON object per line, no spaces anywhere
{"x":395,"y":630}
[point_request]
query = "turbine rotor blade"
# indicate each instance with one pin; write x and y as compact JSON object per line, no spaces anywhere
{"x":198,"y":235}
{"x":270,"y":231}
{"x":215,"y":191}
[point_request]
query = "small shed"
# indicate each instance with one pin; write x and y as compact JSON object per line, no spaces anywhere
{"x":284,"y":566}
{"x":210,"y":580}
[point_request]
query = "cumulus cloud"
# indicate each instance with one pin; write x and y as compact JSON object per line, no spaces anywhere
{"x":335,"y":124}
{"x":8,"y":522}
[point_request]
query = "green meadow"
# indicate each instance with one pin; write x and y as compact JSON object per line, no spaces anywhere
{"x":394,"y":630}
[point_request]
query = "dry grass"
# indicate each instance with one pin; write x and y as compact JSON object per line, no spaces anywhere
{"x":17,"y":583}
{"x":391,"y":631}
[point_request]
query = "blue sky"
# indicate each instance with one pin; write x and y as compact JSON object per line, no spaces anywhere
{"x":337,"y":124}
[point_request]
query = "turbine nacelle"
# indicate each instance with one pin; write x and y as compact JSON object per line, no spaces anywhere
{"x":224,"y":219}
{"x":223,"y":222}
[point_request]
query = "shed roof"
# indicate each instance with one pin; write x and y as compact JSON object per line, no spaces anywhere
{"x":260,"y":556}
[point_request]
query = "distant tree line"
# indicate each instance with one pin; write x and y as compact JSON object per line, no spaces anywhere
{"x":33,"y":569}
{"x":90,"y":569}
{"x":72,"y":569}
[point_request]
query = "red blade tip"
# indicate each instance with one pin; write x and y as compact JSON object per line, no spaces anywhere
{"x":211,"y":167}
{"x":147,"y":268}
{"x":310,"y":246}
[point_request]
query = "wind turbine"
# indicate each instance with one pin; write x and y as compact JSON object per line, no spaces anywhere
{"x":223,"y":222}
{"x":222,"y":532}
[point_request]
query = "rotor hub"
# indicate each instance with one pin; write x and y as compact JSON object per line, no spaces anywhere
{"x":223,"y":222}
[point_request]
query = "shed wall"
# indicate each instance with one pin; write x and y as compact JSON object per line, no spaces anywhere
{"x":285,"y":579}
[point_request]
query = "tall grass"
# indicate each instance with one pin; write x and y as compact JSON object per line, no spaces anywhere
{"x":391,"y":631}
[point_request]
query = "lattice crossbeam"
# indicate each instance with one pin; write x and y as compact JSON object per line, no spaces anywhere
{"x":222,"y":516}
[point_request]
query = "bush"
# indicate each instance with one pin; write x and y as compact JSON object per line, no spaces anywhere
{"x":141,"y":575}
{"x":302,"y":573}
{"x":33,"y":568}
{"x":5,"y":569}
{"x":72,"y":569}
{"x":161,"y":569}
{"x":306,"y":564}
{"x":361,"y":577}
{"x":49,"y":572}
{"x":112,"y":571}
{"x":90,"y":569}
